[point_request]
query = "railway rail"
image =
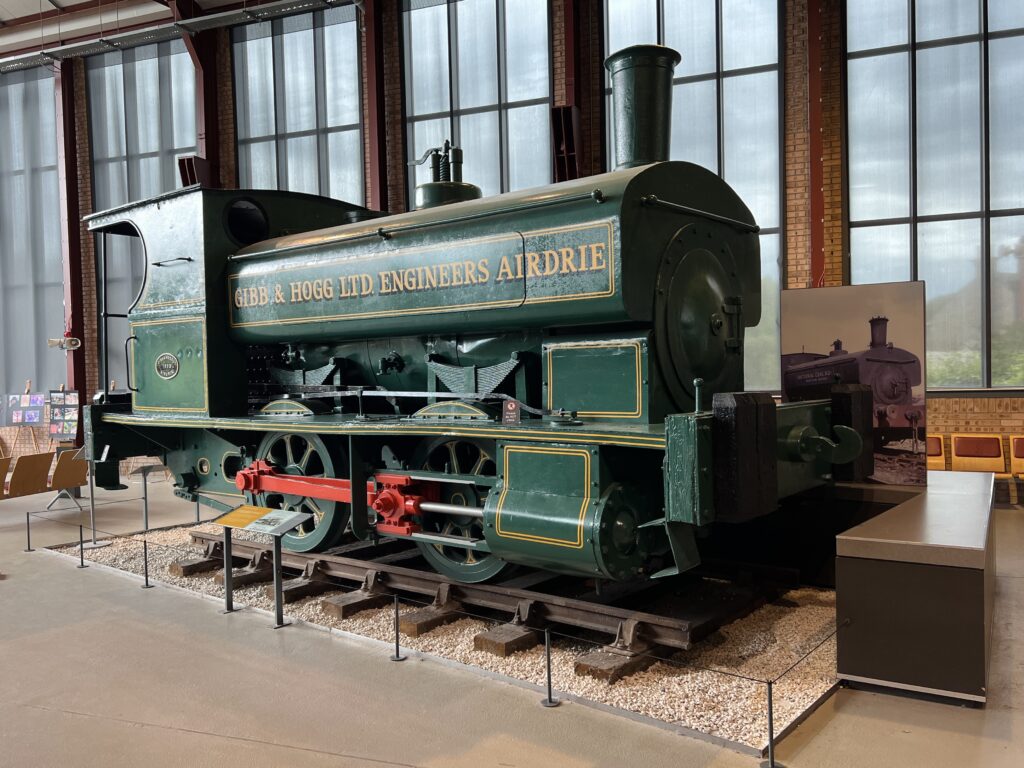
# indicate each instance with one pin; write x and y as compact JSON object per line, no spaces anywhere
{"x":674,"y":613}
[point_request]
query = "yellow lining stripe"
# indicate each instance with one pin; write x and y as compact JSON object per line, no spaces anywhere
{"x":572,"y":544}
{"x":637,"y":408}
{"x":456,"y":404}
{"x":131,"y":364}
{"x":634,"y":441}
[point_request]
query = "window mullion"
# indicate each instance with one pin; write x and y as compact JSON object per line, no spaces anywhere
{"x":453,"y":74}
{"x":280,"y":138}
{"x":320,"y":89}
{"x":499,"y":26}
{"x":912,"y":82}
{"x":719,"y":98}
{"x":986,"y":206}
{"x":165,"y":125}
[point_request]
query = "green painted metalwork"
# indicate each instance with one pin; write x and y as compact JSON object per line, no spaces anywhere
{"x":170,"y":371}
{"x":641,"y":103}
{"x":269,"y":321}
{"x":804,"y":460}
{"x":556,"y":507}
{"x":689,"y":468}
{"x":187,"y":237}
{"x":606,"y":379}
{"x":516,"y":264}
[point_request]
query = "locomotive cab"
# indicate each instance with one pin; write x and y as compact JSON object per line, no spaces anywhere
{"x":177,"y":321}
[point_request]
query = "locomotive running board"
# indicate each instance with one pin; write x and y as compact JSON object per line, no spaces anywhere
{"x":715,"y":603}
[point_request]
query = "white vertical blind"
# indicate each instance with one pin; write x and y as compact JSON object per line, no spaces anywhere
{"x":478,"y":72}
{"x":297,"y":104}
{"x":31,"y":284}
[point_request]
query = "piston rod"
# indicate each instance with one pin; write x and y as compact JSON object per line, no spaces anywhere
{"x":451,"y":509}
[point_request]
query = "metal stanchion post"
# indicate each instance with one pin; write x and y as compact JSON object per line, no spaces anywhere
{"x":81,"y":548}
{"x":278,"y":586}
{"x":92,"y":507}
{"x":197,"y":510}
{"x":770,"y":762}
{"x":550,"y":701}
{"x":145,"y":500}
{"x":229,"y":598}
{"x":398,"y":654}
{"x":92,"y":498}
{"x":145,"y":564}
{"x":28,"y":533}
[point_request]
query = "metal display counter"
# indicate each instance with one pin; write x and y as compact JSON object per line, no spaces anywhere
{"x":914,"y":590}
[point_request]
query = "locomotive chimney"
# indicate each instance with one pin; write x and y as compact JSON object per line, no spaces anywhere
{"x":641,"y":103}
{"x":879,"y":326}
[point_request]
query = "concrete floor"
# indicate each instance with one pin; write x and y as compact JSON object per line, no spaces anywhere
{"x":95,"y":671}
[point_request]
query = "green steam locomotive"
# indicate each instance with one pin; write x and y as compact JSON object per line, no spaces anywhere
{"x":550,"y":377}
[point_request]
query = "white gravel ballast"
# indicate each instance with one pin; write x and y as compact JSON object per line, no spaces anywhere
{"x":718,"y":688}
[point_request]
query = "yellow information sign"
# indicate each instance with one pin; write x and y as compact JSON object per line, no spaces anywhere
{"x":242,"y":516}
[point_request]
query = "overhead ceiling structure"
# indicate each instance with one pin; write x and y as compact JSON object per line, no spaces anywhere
{"x":35,"y":32}
{"x":40,"y":24}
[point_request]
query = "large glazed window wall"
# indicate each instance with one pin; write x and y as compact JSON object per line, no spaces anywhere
{"x":936,"y":173}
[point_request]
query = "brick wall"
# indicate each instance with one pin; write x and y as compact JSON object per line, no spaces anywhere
{"x":394,"y":125}
{"x":228,"y":177}
{"x":796,"y":141}
{"x":832,"y":141}
{"x":976,"y":414}
{"x":805,"y":91}
{"x":85,"y":207}
{"x":15,"y":441}
{"x":589,"y":85}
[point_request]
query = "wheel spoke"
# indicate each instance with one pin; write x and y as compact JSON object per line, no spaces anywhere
{"x":289,"y":451}
{"x":479,"y":466}
{"x":456,"y":468}
{"x":467,"y":457}
{"x":304,"y":461}
{"x":313,"y":507}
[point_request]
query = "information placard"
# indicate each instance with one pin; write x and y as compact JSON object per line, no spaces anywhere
{"x":263,"y":519}
{"x":63,"y":415}
{"x":25,"y":410}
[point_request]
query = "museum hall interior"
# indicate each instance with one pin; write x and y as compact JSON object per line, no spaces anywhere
{"x":567,"y":383}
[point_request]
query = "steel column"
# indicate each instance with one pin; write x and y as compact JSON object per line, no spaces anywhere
{"x":202,"y":49}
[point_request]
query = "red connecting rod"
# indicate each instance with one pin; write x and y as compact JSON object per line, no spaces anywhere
{"x":396,"y":498}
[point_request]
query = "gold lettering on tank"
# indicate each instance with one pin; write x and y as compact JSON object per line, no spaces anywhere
{"x":533,"y":266}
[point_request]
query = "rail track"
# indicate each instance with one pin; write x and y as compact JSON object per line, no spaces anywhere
{"x":641,"y":619}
